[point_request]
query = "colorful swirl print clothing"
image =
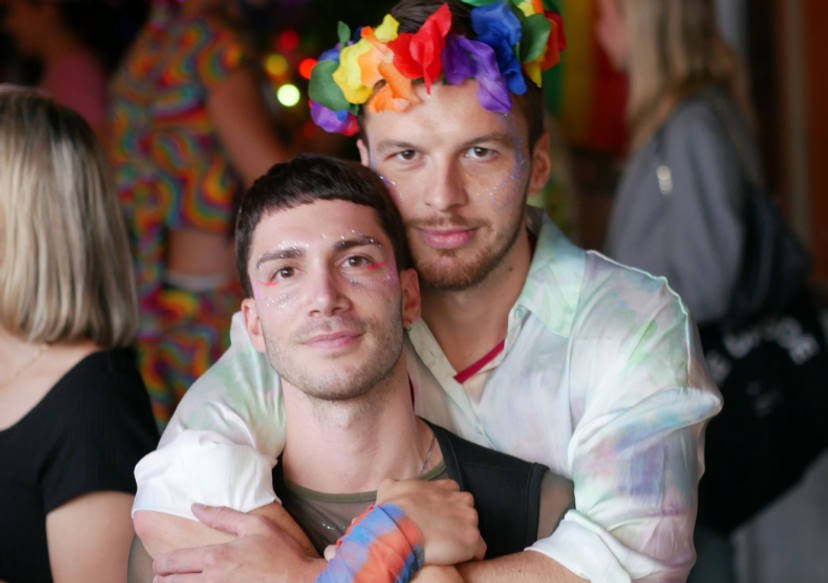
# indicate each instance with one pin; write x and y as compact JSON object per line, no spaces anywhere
{"x":601,"y":379}
{"x":172,"y":172}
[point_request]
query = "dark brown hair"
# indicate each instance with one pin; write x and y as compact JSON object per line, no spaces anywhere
{"x":309,"y":178}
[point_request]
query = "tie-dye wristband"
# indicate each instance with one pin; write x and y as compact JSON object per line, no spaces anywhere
{"x":382,"y":546}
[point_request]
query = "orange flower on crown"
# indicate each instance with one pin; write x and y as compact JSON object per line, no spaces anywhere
{"x":378,"y":65}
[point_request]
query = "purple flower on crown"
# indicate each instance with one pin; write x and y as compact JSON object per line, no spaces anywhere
{"x":499,"y":28}
{"x":468,"y":59}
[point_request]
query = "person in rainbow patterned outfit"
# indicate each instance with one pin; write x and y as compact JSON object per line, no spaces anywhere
{"x":189,"y":129}
{"x":527,"y":344}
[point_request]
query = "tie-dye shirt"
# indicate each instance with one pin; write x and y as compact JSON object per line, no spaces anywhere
{"x":602,"y":379}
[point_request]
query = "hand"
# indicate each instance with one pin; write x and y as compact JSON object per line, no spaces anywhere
{"x":444,"y":515}
{"x":262,"y":553}
{"x":432,"y":574}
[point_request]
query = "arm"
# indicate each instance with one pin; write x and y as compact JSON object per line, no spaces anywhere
{"x":640,"y":397}
{"x":163,"y":533}
{"x":245,"y":124}
{"x":444,"y":516}
{"x":89,"y":538}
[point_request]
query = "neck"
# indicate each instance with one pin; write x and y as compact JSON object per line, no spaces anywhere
{"x":469,"y":323}
{"x":14,"y":351}
{"x":345,"y":447}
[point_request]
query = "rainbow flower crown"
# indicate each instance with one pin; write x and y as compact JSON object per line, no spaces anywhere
{"x":513,"y":37}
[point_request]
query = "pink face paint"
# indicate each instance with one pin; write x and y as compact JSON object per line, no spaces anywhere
{"x":377,"y":266}
{"x":268,"y":284}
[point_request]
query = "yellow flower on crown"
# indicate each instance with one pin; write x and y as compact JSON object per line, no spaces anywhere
{"x":348,"y":75}
{"x":369,"y":61}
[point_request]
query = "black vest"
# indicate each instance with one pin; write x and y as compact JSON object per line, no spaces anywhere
{"x":506,"y":491}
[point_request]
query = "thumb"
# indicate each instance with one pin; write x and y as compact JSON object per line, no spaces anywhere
{"x":221,"y":518}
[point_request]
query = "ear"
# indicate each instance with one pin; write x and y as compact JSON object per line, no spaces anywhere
{"x":541,"y":165}
{"x":411,"y":306}
{"x":364,"y":154}
{"x":252,"y":324}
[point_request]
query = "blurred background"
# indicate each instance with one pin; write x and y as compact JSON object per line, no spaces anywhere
{"x":780,"y":41}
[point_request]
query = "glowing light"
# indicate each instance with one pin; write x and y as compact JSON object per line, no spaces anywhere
{"x":289,"y":40}
{"x":288,"y":95}
{"x":306,"y":66}
{"x":276,"y":65}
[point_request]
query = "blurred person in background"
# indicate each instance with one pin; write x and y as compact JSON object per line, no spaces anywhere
{"x":75,"y":44}
{"x":682,"y":76}
{"x":190,"y":128}
{"x":688,"y":96}
{"x":74,"y":414}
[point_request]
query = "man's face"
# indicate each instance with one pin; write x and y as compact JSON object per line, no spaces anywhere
{"x":459,"y":175}
{"x":329,"y":306}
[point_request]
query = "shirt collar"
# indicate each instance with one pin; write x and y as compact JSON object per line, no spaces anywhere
{"x":551,"y":292}
{"x":553,"y":285}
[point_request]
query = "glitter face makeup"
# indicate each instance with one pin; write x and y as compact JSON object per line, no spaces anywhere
{"x":329,"y":304}
{"x":460,"y":175}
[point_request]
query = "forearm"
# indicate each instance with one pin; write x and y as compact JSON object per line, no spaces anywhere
{"x":162,"y":533}
{"x":525,"y":567}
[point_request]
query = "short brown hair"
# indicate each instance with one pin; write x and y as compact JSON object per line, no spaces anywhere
{"x":309,"y":178}
{"x":411,"y":14}
{"x":65,"y":268}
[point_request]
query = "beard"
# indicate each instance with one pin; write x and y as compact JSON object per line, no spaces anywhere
{"x":446,"y":271}
{"x":344,"y":383}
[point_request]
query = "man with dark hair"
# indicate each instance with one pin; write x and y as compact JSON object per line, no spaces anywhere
{"x":324,"y":263}
{"x":527,"y":344}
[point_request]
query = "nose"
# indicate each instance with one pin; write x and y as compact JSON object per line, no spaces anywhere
{"x":447,"y":190}
{"x":325,"y":293}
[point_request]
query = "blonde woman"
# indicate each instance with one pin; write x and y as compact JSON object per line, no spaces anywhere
{"x":74,"y":415}
{"x":689,"y":109}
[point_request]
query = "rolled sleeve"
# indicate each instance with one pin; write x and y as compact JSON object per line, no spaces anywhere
{"x":222,"y":443}
{"x":636,"y":451}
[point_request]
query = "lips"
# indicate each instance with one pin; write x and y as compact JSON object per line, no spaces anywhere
{"x":333,"y":340}
{"x":452,"y":238}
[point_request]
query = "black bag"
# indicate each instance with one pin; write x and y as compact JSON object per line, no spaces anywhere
{"x":768,"y":357}
{"x":774,"y":380}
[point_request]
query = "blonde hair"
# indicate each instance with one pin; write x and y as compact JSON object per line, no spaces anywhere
{"x":65,"y":268}
{"x":675,"y":49}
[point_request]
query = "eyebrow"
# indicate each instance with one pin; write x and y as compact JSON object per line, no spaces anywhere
{"x":498,"y":137}
{"x":296,"y":252}
{"x":362,"y":241}
{"x":284,"y":253}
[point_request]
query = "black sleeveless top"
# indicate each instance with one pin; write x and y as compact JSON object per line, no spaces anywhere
{"x":506,"y":491}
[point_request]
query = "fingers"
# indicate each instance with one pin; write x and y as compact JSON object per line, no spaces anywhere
{"x":180,"y":561}
{"x":176,"y":579}
{"x":481,"y":549}
{"x":227,"y":520}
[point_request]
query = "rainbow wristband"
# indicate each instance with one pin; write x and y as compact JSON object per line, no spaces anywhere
{"x":381,"y":546}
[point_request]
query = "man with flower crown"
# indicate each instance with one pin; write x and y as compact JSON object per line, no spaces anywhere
{"x":527,"y":344}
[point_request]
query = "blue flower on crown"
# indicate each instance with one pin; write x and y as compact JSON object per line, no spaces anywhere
{"x":497,"y":26}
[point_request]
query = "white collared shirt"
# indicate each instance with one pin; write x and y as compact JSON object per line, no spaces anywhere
{"x":602,"y":379}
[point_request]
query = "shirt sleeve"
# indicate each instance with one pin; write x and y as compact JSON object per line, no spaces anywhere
{"x":223,"y":439}
{"x":640,"y":398}
{"x":105,"y":426}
